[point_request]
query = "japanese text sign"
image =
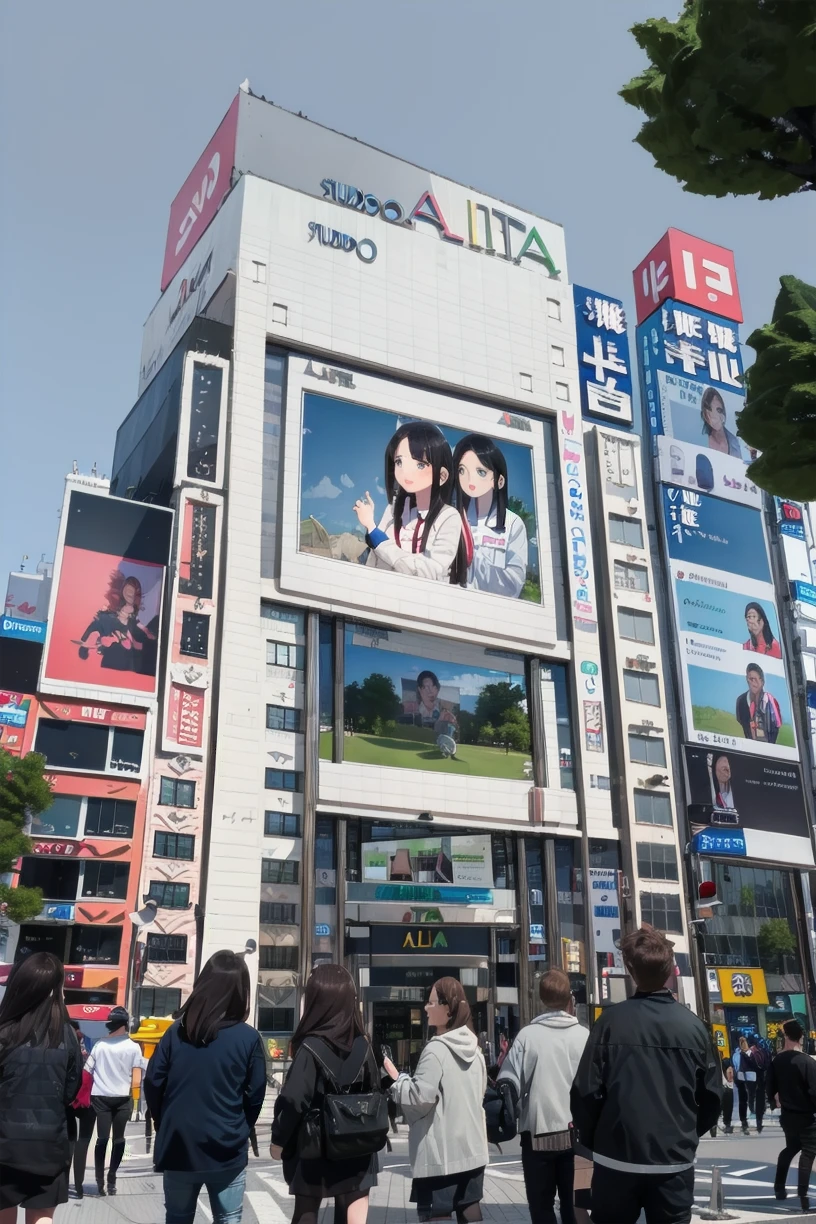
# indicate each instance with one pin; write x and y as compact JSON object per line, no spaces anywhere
{"x":604,"y":366}
{"x":694,"y":272}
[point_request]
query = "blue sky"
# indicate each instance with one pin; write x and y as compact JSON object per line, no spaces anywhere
{"x":108,"y":107}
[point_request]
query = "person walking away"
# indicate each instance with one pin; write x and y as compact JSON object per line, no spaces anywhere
{"x":758,"y":1059}
{"x":791,"y":1080}
{"x":82,"y":1117}
{"x":443,"y":1106}
{"x":204,"y":1087}
{"x":648,"y":1086}
{"x":727,"y":1098}
{"x":541,"y":1065}
{"x":40,"y":1072}
{"x":328,"y":1042}
{"x":112,"y":1062}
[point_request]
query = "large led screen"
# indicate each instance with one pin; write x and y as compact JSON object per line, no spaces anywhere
{"x":409,"y":496}
{"x":417,"y":702}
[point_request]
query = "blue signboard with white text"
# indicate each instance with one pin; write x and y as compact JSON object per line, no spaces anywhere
{"x":604,"y":364}
{"x":721,"y":535}
{"x":23,"y":630}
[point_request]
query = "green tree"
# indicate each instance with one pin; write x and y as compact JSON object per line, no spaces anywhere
{"x":779,"y":417}
{"x":730,"y":96}
{"x":375,"y":699}
{"x":487,"y":733}
{"x":24,"y":793}
{"x":496,"y":699}
{"x":514,"y":732}
{"x":776,"y":940}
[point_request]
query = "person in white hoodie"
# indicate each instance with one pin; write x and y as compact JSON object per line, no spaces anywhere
{"x":541,"y":1066}
{"x":443,"y":1104}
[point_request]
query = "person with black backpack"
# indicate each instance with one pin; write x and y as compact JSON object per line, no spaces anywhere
{"x":331,"y":1117}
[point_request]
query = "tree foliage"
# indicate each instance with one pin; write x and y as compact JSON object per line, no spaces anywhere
{"x":730,"y":96}
{"x":375,"y":700}
{"x":24,"y":792}
{"x":779,"y":417}
{"x":495,"y":700}
{"x":775,"y":938}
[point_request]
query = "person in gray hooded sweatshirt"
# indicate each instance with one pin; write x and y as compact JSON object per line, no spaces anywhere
{"x":541,"y":1066}
{"x":443,"y":1106}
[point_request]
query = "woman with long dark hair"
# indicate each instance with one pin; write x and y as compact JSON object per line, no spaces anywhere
{"x":713,"y":416}
{"x":443,"y":1106}
{"x":204,"y":1087}
{"x":495,"y":537}
{"x":420,"y":532}
{"x":760,"y":635}
{"x":328,"y":1041}
{"x":40,"y":1072}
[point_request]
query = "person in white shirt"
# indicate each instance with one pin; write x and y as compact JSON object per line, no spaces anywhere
{"x":112,"y":1062}
{"x":420,"y":533}
{"x":495,"y":537}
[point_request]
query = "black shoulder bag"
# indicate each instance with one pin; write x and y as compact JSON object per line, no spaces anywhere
{"x":353,"y":1123}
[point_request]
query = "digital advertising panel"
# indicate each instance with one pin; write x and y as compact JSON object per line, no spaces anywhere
{"x":106,"y":609}
{"x":453,"y":863}
{"x":416,"y":702}
{"x":604,"y":365}
{"x":705,"y":471}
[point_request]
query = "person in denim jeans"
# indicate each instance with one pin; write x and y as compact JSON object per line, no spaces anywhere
{"x":204,"y":1087}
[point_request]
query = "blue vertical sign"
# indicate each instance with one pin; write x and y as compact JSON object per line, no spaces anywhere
{"x":604,"y":366}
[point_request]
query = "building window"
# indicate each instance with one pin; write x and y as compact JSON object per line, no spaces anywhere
{"x":652,"y":809}
{"x":274,"y":913}
{"x":280,"y":871}
{"x":175,"y":792}
{"x":92,"y":945}
{"x":280,"y":718}
{"x":60,"y":820}
{"x":110,"y":818}
{"x":631,"y":577}
{"x":195,"y":635}
{"x":641,"y":687}
{"x":205,"y":415}
{"x":661,"y":910}
{"x":647,"y":749}
{"x":174,"y":845}
{"x":105,"y":880}
{"x":169,"y":896}
{"x":281,"y":824}
{"x":126,"y":750}
{"x":270,"y":957}
{"x":282,"y":654}
{"x":167,"y":949}
{"x":562,"y":391}
{"x":636,"y":626}
{"x":283,"y":779}
{"x":627,"y":531}
{"x":57,"y":878}
{"x":553,"y":308}
{"x":276,"y":1019}
{"x":157,"y":1002}
{"x":557,"y":353}
{"x":656,"y":861}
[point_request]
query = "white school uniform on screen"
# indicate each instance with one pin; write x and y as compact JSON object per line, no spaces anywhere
{"x":499,"y":557}
{"x":405,"y":557}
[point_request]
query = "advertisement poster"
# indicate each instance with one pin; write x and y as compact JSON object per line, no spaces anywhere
{"x":703,"y":415}
{"x":430,"y":860}
{"x":606,"y":917}
{"x":765,"y":795}
{"x":418,"y":702}
{"x":706,"y":471}
{"x":185,"y":716}
{"x":105,"y":617}
{"x":604,"y":365}
{"x":14,"y":708}
{"x":407,"y":496}
{"x":720,"y":535}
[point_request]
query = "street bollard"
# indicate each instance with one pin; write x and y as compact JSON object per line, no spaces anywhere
{"x":716,"y":1203}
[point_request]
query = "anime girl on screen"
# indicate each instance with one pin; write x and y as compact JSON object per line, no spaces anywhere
{"x":420,"y":532}
{"x":115,"y":632}
{"x":495,"y":537}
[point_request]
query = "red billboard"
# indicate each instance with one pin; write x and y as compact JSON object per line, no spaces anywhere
{"x":185,"y":716}
{"x":689,"y":270}
{"x":200,"y":198}
{"x":106,"y":612}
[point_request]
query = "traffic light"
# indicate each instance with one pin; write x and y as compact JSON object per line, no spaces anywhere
{"x":707,"y":893}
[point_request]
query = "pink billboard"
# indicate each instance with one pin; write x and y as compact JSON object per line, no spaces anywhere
{"x":200,"y":198}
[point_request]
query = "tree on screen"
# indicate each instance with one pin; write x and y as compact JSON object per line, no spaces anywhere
{"x":24,"y":793}
{"x":374,"y":701}
{"x":730,"y":96}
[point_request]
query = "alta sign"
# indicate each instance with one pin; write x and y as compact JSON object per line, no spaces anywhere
{"x":424,"y":939}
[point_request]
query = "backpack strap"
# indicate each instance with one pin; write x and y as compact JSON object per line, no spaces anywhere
{"x":341,"y":1078}
{"x":309,"y":1044}
{"x":358,"y":1065}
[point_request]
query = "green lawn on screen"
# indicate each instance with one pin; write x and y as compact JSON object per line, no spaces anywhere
{"x":408,"y":752}
{"x":721,"y":722}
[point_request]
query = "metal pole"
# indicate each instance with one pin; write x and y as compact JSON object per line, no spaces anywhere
{"x":338,"y":658}
{"x":340,"y":892}
{"x":310,"y":768}
{"x":525,"y":1015}
{"x":551,"y":905}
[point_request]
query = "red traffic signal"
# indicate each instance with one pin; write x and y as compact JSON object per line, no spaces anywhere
{"x":706,"y":891}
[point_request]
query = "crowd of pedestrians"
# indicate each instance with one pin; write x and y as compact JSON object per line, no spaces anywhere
{"x":626,"y":1102}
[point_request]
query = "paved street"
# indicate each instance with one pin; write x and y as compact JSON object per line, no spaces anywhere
{"x":747,"y":1164}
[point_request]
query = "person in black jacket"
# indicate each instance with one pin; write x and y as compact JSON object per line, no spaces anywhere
{"x":331,"y":1014}
{"x":204,"y":1087}
{"x":647,"y":1087}
{"x":791,"y":1078}
{"x":40,"y":1072}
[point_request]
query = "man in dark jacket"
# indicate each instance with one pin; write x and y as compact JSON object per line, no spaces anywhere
{"x":791,"y":1078}
{"x":648,"y":1086}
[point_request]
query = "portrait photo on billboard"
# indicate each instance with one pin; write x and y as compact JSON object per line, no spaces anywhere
{"x":749,"y":710}
{"x":706,"y":471}
{"x":722,"y":536}
{"x":414,"y":497}
{"x":745,"y":618}
{"x":105,"y":616}
{"x":702,"y":414}
{"x":417,"y":702}
{"x":766,"y":795}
